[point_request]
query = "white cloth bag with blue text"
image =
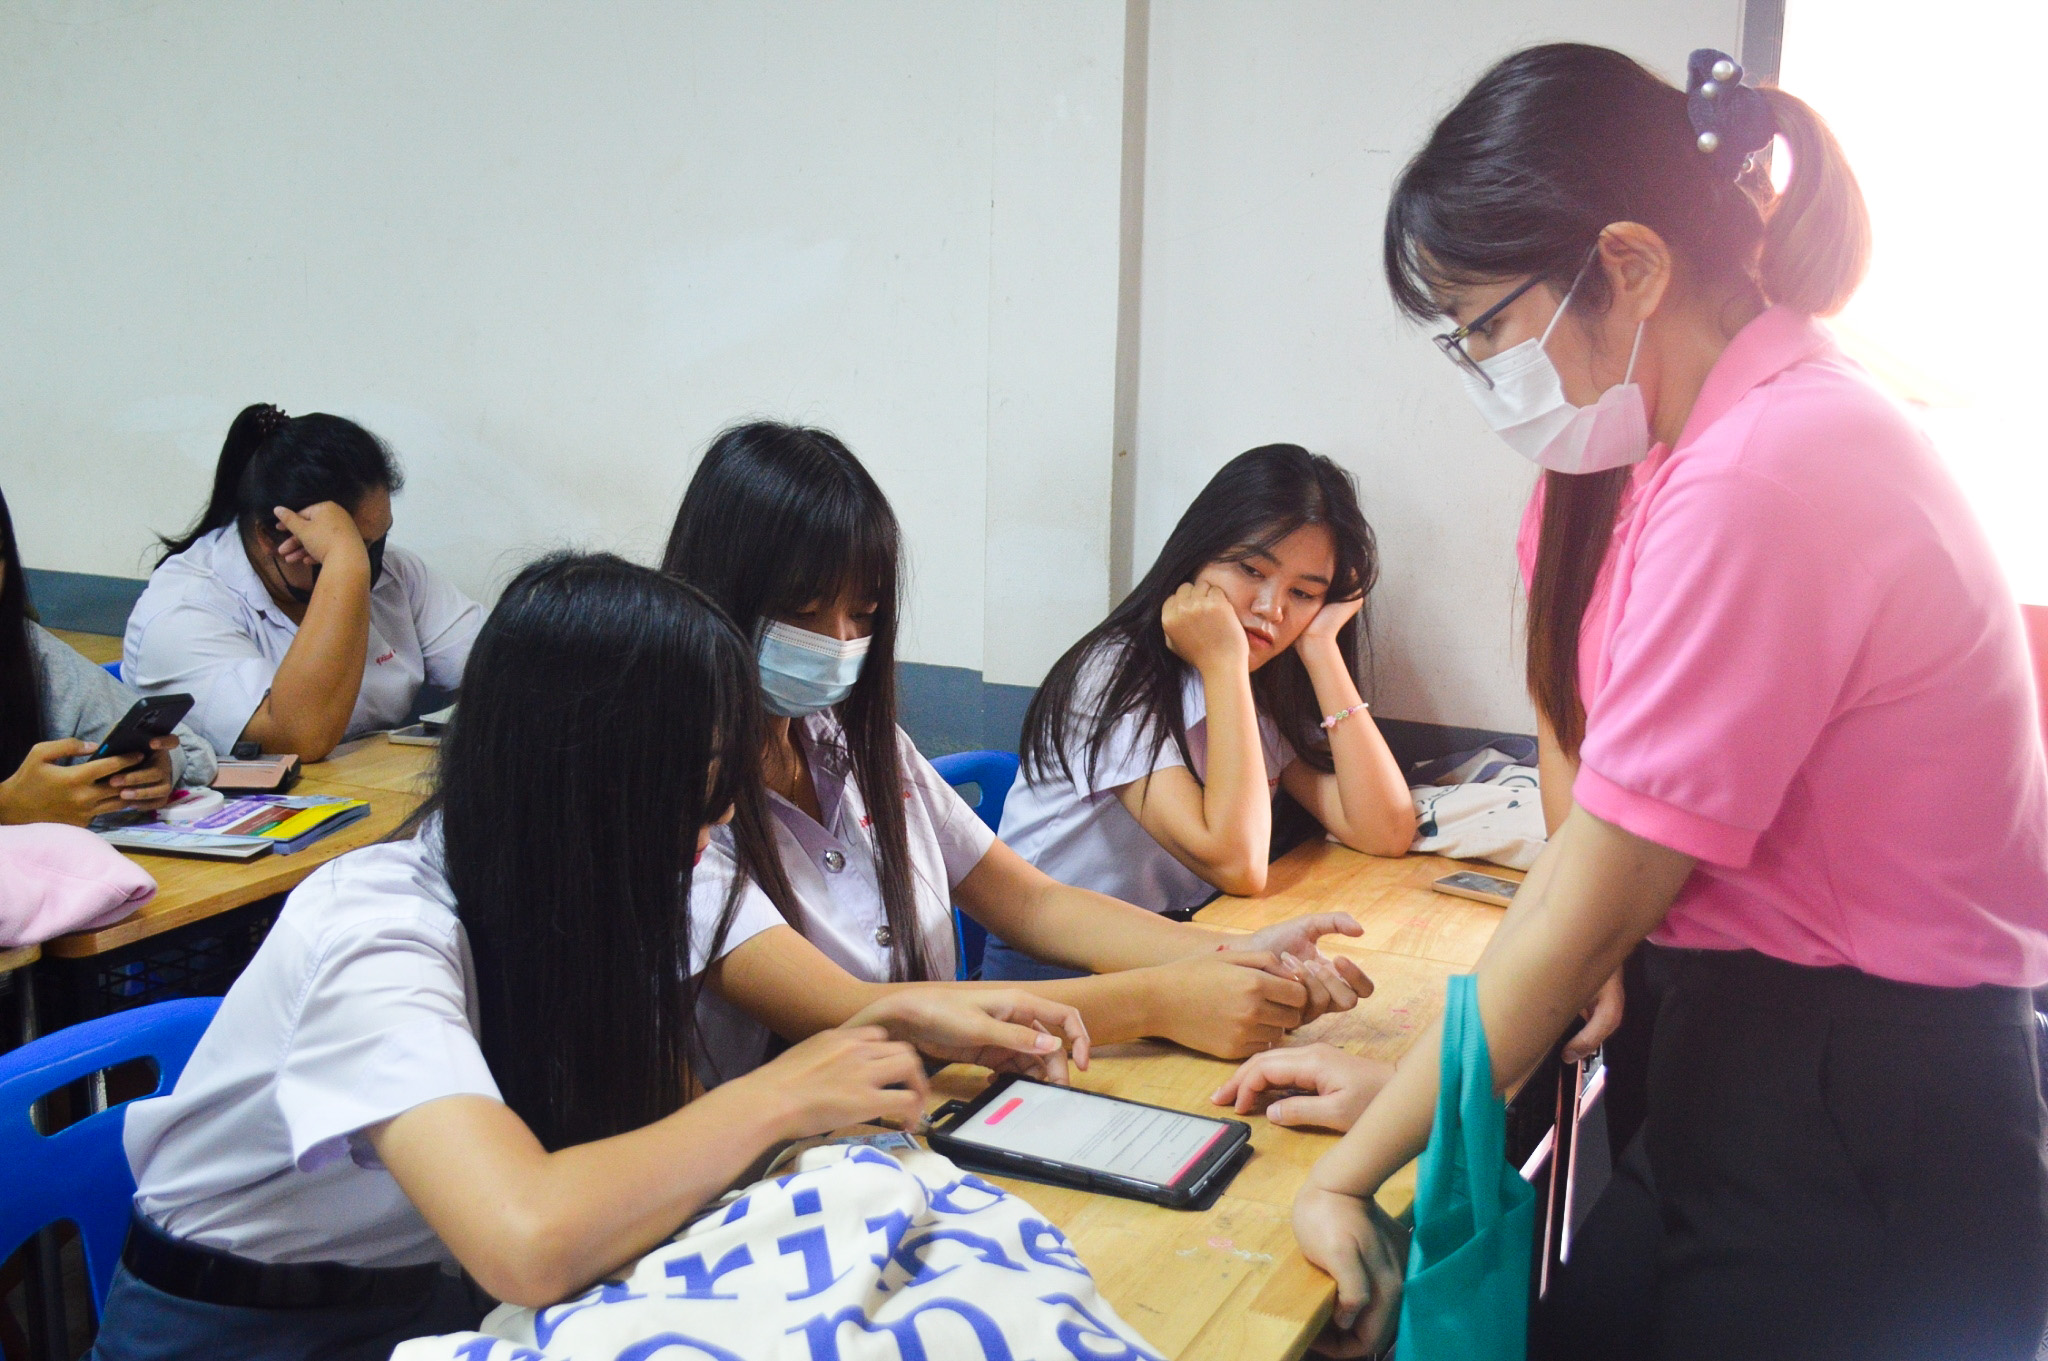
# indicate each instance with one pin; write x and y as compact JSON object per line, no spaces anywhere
{"x":857,"y":1255}
{"x":1482,"y":805}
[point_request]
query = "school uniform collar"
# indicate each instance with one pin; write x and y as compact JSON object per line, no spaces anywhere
{"x":232,"y":568}
{"x":1760,"y":351}
{"x":825,"y":739}
{"x":824,"y":748}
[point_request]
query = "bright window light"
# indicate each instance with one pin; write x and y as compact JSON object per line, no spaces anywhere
{"x":1938,"y":108}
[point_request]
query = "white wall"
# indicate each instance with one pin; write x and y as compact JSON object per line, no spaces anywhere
{"x":1274,"y":133}
{"x":548,"y":250}
{"x":1052,"y":331}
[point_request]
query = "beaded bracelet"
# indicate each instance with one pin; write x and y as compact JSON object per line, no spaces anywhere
{"x":1332,"y":720}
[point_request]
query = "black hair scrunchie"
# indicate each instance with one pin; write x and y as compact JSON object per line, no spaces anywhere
{"x":270,"y":420}
{"x":1730,"y":121}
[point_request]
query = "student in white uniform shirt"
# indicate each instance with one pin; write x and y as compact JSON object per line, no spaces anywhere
{"x":472,"y":1048}
{"x":281,"y":611}
{"x":1154,"y":750}
{"x":861,"y":848}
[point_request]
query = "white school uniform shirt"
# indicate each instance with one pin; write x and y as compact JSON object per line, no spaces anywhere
{"x":206,"y":626}
{"x":360,"y":1005}
{"x":833,"y":871}
{"x":1079,"y":832}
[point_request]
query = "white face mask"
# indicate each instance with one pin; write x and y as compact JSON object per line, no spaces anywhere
{"x":806,"y":673}
{"x":1526,"y":406}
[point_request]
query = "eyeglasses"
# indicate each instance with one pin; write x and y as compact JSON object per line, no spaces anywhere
{"x":1452,"y":343}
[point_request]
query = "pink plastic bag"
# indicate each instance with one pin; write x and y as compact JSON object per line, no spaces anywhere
{"x":55,"y":879}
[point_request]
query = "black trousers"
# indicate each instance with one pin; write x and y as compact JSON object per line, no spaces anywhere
{"x":143,"y":1323}
{"x":1832,"y":1166}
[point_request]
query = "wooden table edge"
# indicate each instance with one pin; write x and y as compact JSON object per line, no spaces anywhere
{"x":138,"y":927}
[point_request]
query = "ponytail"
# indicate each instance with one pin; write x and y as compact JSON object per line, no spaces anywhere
{"x":1579,"y":510}
{"x":270,"y":459}
{"x":252,"y":427}
{"x":1817,"y":233}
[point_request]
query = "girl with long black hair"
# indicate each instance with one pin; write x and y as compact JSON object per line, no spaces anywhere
{"x":55,"y":706}
{"x":474,"y":1048}
{"x":1785,"y":690}
{"x":281,"y":611}
{"x":857,"y":845}
{"x":1154,"y":750}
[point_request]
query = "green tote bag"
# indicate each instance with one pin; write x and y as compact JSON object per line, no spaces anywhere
{"x":1467,"y":1297}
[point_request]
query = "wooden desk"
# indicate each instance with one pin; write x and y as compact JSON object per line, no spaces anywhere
{"x":375,"y":762}
{"x":387,"y":775}
{"x":1229,"y":1282}
{"x":97,"y":648}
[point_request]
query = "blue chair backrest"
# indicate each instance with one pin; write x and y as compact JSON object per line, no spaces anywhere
{"x":112,"y":668}
{"x":80,"y":1173}
{"x":992,"y":772}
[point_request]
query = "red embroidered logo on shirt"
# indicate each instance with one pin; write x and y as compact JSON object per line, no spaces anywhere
{"x":386,"y":657}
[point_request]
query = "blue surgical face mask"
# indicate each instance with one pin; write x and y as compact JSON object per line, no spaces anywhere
{"x":806,"y":673}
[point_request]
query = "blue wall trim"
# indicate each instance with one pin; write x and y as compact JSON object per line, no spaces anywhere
{"x":951,"y":708}
{"x":944,"y":708}
{"x":81,"y":601}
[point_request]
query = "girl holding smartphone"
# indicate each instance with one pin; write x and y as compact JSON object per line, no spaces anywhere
{"x":55,"y":707}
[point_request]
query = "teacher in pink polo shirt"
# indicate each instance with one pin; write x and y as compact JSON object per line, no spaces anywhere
{"x":1786,"y":688}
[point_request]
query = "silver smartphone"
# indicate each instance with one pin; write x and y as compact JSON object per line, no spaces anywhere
{"x":417,"y":735}
{"x":1484,"y":888}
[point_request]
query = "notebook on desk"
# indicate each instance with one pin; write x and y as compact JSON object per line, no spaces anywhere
{"x":245,"y":828}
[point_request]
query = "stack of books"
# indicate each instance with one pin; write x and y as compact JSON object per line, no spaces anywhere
{"x":244,"y":828}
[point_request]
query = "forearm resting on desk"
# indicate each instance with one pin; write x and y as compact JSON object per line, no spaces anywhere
{"x":1044,"y":918}
{"x":1029,"y":909}
{"x":1228,"y":1003}
{"x":1596,"y":892}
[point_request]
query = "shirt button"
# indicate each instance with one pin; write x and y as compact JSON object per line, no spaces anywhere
{"x":835,"y":861}
{"x":883,"y":936}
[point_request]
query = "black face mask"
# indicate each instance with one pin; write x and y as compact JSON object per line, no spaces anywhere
{"x":304,"y":594}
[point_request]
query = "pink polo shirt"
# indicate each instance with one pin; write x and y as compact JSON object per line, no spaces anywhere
{"x":1802,"y":666}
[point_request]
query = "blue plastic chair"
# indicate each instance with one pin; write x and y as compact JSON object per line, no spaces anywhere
{"x":992,"y":772}
{"x":80,"y":1173}
{"x":112,"y":668}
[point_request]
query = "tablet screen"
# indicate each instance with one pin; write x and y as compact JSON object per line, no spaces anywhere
{"x":1081,"y":1129}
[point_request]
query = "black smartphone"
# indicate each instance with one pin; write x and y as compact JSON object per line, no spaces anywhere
{"x":1094,"y":1142}
{"x":152,"y":716}
{"x":1484,"y":888}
